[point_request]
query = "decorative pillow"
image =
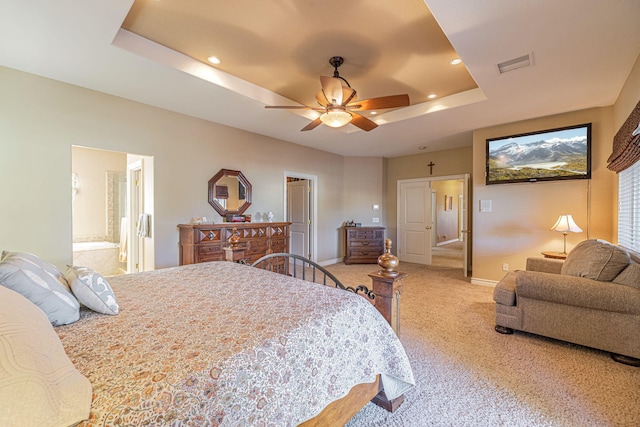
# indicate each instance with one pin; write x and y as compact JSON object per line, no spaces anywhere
{"x":597,"y":260}
{"x":21,"y":274}
{"x":39,"y":385}
{"x":36,"y":260}
{"x":630,"y":276}
{"x":92,"y":290}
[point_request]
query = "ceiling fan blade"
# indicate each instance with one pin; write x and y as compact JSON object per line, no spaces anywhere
{"x":383,"y":102}
{"x":290,"y":107}
{"x":332,"y":89}
{"x":362,"y":122}
{"x":312,"y":125}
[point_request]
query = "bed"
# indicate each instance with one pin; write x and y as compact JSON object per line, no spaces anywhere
{"x":222,"y":343}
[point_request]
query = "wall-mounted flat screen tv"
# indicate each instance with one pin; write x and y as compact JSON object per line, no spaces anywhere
{"x":562,"y":153}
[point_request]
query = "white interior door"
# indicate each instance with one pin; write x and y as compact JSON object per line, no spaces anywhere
{"x":414,"y":221}
{"x":136,"y":207}
{"x":298,"y":213}
{"x":465,"y":232}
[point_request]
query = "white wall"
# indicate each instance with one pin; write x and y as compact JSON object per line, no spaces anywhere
{"x":90,"y":202}
{"x":40,"y":119}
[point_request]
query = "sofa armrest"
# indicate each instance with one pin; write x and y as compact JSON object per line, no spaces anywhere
{"x":578,"y":291}
{"x":546,"y":265}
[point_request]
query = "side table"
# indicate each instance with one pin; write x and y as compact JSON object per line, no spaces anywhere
{"x":554,"y":255}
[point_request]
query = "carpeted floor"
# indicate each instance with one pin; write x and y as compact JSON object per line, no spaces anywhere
{"x":469,"y":375}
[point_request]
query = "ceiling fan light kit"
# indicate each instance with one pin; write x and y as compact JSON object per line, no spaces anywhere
{"x":338,"y":102}
{"x":336,"y":118}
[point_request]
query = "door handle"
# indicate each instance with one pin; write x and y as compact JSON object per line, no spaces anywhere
{"x":428,"y":227}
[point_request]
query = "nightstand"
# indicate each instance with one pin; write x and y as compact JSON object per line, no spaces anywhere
{"x":554,"y":255}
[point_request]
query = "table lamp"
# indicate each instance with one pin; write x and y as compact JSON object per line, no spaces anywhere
{"x":564,"y":225}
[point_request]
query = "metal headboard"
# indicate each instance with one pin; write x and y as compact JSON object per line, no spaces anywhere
{"x":303,"y":268}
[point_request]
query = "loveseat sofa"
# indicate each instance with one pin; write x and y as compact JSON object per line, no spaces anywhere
{"x":592,"y":298}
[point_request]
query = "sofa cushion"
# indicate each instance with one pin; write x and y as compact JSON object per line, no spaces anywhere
{"x":630,"y":276}
{"x":597,"y":260}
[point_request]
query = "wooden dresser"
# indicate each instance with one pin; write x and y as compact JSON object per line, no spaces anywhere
{"x":363,"y":245}
{"x":204,"y":242}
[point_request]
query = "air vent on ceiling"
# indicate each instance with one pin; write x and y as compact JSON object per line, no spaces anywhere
{"x":515,"y":63}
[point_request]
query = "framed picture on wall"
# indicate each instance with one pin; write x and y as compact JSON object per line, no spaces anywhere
{"x":448,"y":203}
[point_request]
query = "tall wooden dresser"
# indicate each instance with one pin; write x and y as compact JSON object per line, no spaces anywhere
{"x":204,"y":242}
{"x":363,"y":245}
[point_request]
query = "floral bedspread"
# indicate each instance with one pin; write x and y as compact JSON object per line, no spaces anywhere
{"x":227,"y":344}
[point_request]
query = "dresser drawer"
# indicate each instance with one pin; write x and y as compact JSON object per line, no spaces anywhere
{"x":256,"y":247}
{"x":208,"y":250}
{"x":279,"y":245}
{"x":365,"y":244}
{"x":209,"y":236}
{"x":365,"y":253}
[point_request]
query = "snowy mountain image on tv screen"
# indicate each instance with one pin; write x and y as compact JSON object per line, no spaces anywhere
{"x":538,"y":157}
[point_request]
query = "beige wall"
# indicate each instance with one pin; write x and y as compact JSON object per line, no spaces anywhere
{"x":40,"y":119}
{"x":364,"y":187}
{"x":522,"y":214}
{"x":457,"y":161}
{"x":447,"y":221}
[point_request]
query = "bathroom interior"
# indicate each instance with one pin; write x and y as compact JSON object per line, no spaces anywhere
{"x":104,"y":238}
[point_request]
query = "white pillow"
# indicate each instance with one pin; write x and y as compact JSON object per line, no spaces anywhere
{"x":24,"y":274}
{"x":34,"y":259}
{"x":39,"y":385}
{"x":92,"y":289}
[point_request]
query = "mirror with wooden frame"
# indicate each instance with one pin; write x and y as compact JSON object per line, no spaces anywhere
{"x":229,"y":192}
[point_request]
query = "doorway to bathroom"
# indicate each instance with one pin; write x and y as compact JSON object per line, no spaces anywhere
{"x":112,"y":206}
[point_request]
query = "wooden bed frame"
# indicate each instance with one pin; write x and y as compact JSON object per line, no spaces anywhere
{"x":385,"y":293}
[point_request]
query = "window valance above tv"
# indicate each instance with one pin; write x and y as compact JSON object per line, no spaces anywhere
{"x":626,"y":145}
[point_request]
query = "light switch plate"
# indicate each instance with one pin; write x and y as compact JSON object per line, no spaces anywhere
{"x":485,"y":205}
{"x":375,"y":220}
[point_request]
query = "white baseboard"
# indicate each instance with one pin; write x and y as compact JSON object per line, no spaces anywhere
{"x":330,"y":261}
{"x":447,"y":242}
{"x":484,"y":282}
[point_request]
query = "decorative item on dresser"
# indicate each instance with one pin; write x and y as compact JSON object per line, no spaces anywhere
{"x":363,"y":245}
{"x":205,"y":242}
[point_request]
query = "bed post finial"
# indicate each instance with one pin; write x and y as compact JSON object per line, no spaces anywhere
{"x":388,"y":261}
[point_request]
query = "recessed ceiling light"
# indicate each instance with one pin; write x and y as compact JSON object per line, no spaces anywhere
{"x":214,"y":60}
{"x":373,"y":113}
{"x":432,"y":95}
{"x":422,"y":147}
{"x":455,"y":61}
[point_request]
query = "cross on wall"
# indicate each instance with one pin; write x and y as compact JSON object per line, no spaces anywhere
{"x":431,"y":165}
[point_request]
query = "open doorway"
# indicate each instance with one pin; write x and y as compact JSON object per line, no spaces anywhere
{"x":106,"y":202}
{"x":432,"y":221}
{"x":300,"y":201}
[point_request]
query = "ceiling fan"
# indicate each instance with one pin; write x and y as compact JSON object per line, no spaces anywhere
{"x":338,"y":105}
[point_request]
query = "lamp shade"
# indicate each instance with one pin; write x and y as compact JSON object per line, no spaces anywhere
{"x":335,"y":118}
{"x":566,"y":224}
